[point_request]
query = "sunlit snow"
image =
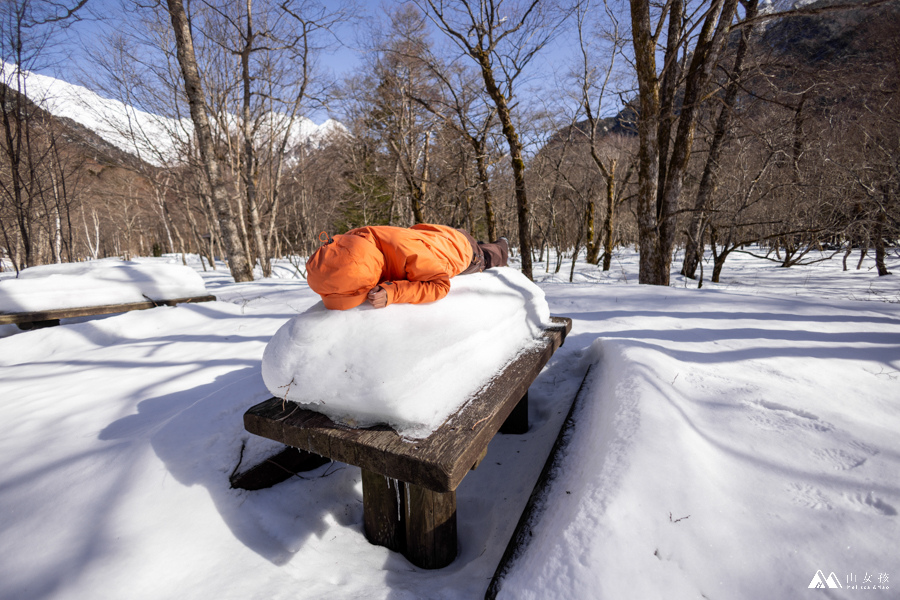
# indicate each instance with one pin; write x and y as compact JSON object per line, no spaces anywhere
{"x":410,"y":366}
{"x":96,"y":283}
{"x":729,"y":442}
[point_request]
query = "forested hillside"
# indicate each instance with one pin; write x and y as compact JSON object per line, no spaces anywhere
{"x":717,"y":129}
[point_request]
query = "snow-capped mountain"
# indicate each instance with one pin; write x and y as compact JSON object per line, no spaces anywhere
{"x":152,"y":138}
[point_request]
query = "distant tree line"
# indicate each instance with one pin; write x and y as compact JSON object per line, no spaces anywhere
{"x":710,"y":127}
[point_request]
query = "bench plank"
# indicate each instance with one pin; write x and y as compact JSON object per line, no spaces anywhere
{"x":437,"y":463}
{"x":86,"y":311}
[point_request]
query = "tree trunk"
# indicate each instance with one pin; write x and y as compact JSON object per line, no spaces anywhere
{"x":661,"y":177}
{"x":240,"y":267}
{"x":879,"y":245}
{"x":693,"y":253}
{"x":249,"y":171}
{"x":418,"y":191}
{"x":592,"y":246}
{"x":609,"y":240}
{"x":515,"y":155}
{"x":484,"y":183}
{"x":718,"y":263}
{"x":648,"y":135}
{"x":671,"y":72}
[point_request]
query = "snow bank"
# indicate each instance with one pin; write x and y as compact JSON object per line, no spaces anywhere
{"x":96,"y":283}
{"x":726,"y":447}
{"x":410,"y":366}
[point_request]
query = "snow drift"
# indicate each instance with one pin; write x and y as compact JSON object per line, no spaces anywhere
{"x":410,"y":366}
{"x":97,"y":283}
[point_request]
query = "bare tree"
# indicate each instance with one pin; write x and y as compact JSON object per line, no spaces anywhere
{"x":592,"y":82}
{"x":502,"y":39}
{"x":240,"y":266}
{"x":32,"y":166}
{"x":663,"y":160}
{"x":708,"y":181}
{"x":466,"y":111}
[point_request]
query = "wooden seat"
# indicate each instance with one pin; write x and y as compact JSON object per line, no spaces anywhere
{"x":409,"y":487}
{"x":49,"y":318}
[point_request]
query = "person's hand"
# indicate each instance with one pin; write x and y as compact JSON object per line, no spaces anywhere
{"x":377,"y":297}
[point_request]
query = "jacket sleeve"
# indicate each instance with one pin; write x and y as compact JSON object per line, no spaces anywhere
{"x":427,"y":280}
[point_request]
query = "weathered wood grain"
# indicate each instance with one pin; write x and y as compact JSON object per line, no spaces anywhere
{"x":480,"y":458}
{"x":384,"y":511}
{"x":412,"y":520}
{"x":431,"y":541}
{"x":85,"y":311}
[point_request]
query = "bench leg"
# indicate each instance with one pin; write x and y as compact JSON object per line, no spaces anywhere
{"x":384,"y":511}
{"x":412,"y":520}
{"x":517,"y":421}
{"x":430,"y":527}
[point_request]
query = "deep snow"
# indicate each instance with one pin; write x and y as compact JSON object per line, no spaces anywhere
{"x":405,"y":365}
{"x":730,"y":442}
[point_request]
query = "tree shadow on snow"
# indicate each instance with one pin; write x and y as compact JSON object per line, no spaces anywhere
{"x":492,"y":497}
{"x":763,"y":315}
{"x":198,"y":433}
{"x":877,"y":347}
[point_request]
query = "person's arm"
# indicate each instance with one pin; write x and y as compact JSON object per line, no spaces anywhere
{"x":416,"y":292}
{"x":427,"y":280}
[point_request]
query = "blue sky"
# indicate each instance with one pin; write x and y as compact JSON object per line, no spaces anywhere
{"x":68,"y":57}
{"x":68,"y":47}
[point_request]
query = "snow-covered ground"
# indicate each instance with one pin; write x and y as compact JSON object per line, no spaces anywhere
{"x":730,"y":442}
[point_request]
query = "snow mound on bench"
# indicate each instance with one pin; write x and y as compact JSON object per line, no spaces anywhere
{"x":97,"y":283}
{"x":409,"y":366}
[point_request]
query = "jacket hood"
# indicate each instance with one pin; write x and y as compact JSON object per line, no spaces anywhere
{"x":344,"y":270}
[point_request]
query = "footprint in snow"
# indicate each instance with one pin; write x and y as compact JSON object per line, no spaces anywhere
{"x":870,"y":502}
{"x":780,"y":417}
{"x":808,"y":496}
{"x":839,"y":459}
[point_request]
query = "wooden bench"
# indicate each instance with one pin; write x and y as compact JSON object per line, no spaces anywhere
{"x":409,"y":487}
{"x":50,"y":318}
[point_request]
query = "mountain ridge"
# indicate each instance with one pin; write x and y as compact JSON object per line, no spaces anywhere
{"x":148,"y":137}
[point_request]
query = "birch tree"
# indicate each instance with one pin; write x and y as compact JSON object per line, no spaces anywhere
{"x":239,"y":264}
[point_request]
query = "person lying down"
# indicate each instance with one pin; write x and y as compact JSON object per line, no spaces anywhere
{"x":392,"y":265}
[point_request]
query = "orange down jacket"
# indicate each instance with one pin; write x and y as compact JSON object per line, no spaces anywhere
{"x":412,"y":265}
